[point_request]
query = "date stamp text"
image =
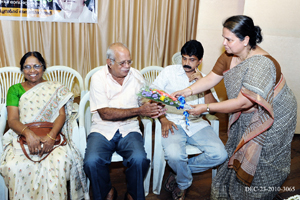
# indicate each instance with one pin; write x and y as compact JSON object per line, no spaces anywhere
{"x":270,"y":189}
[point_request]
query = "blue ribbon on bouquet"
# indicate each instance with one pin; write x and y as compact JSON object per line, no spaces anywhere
{"x":181,"y":99}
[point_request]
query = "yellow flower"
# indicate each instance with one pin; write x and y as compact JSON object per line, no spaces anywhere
{"x":162,"y":98}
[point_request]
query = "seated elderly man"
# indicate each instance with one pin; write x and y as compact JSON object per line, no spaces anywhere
{"x":176,"y":135}
{"x":115,"y":126}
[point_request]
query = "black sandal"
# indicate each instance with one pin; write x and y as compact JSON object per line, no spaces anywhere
{"x":170,"y":185}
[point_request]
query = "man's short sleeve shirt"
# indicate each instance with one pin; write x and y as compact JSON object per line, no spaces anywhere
{"x":106,"y":92}
{"x":171,"y":79}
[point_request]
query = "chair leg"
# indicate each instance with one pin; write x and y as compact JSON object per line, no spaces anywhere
{"x":159,"y":162}
{"x":158,"y":174}
{"x":148,"y":148}
{"x":147,"y":181}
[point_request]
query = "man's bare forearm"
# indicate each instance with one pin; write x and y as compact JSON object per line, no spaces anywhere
{"x":118,"y":114}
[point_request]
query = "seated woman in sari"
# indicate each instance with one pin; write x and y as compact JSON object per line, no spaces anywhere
{"x":263,"y":115}
{"x":38,"y":100}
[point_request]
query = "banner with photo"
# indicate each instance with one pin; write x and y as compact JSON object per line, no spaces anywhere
{"x":80,"y":11}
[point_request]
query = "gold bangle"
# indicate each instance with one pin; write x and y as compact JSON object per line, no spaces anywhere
{"x":50,"y":137}
{"x":24,"y":129}
{"x":191,"y":90}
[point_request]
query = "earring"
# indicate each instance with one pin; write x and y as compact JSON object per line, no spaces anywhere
{"x":245,"y":45}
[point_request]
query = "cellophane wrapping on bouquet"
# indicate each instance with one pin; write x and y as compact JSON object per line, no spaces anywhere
{"x":161,"y":96}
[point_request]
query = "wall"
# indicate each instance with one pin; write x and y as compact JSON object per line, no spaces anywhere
{"x":279,"y":21}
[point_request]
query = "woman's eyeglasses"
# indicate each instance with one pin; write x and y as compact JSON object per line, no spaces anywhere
{"x":28,"y":67}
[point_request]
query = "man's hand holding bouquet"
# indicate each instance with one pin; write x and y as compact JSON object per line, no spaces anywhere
{"x":161,"y":97}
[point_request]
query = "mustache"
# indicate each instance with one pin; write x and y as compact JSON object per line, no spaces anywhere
{"x":187,"y":66}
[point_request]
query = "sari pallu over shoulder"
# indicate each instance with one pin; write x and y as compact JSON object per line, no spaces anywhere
{"x":247,"y":153}
{"x":43,"y":102}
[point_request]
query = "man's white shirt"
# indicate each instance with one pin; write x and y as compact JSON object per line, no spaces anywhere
{"x":105,"y":92}
{"x":171,"y":79}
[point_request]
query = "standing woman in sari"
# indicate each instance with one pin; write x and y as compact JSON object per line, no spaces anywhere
{"x":38,"y":100}
{"x":263,"y":115}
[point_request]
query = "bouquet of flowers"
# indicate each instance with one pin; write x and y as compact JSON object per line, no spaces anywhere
{"x":164,"y":98}
{"x":158,"y":96}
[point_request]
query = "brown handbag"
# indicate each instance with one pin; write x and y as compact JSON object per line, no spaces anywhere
{"x":41,"y":129}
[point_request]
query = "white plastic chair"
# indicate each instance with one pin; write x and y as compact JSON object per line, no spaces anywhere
{"x":177,"y":58}
{"x":88,"y":78}
{"x":8,"y":77}
{"x":3,"y":188}
{"x":65,"y":75}
{"x":87,"y":81}
{"x":84,"y":130}
{"x":151,"y":72}
{"x":159,"y":162}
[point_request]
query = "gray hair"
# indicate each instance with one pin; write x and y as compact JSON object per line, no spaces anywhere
{"x":110,"y":53}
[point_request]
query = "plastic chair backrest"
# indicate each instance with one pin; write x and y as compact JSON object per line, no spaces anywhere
{"x":177,"y":58}
{"x":82,"y":110}
{"x":88,"y":77}
{"x":151,"y":72}
{"x":65,"y":75}
{"x":8,"y":77}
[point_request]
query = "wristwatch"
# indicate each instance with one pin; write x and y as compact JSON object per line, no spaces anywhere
{"x":207,"y":108}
